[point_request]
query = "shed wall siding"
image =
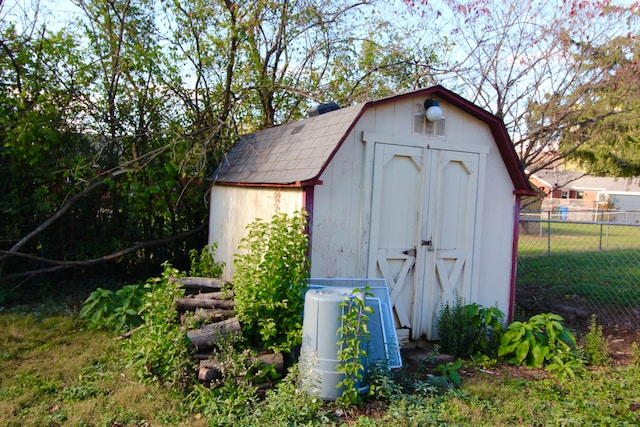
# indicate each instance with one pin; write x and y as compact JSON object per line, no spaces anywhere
{"x":233,"y":208}
{"x":337,"y":214}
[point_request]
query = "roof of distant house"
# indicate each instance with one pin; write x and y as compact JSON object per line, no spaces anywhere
{"x":580,"y":181}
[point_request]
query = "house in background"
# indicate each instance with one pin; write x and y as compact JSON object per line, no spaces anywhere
{"x":394,"y":190}
{"x":581,"y":197}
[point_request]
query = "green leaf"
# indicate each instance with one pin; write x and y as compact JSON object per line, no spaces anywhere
{"x":522,"y":351}
{"x":538,"y":353}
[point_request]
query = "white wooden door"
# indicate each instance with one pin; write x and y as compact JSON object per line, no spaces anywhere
{"x":422,"y":226}
{"x":450,"y":229}
{"x":395,"y":223}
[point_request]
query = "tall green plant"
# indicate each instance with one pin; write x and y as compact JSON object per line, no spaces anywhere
{"x":159,"y":351}
{"x":353,"y":341}
{"x":469,"y":329}
{"x":271,"y":274}
{"x":596,"y":344}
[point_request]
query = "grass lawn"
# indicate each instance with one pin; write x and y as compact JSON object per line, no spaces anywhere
{"x":566,"y":237}
{"x":53,"y":372}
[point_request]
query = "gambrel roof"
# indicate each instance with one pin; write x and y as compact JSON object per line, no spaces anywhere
{"x":296,"y":154}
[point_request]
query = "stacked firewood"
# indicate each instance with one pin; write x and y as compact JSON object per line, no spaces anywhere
{"x":211,"y":304}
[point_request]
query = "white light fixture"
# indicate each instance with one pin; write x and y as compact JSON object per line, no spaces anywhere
{"x":433,"y":110}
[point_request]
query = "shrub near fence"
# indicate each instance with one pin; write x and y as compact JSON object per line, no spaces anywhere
{"x":580,"y":268}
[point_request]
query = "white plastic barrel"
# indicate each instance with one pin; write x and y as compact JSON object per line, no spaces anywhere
{"x":320,"y":340}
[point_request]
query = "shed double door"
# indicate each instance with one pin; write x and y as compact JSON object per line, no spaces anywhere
{"x":422,"y":230}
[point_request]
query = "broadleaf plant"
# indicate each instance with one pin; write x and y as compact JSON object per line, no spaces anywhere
{"x":534,"y":343}
{"x":271,"y":275}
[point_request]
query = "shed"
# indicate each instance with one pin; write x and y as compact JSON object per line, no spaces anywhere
{"x":430,"y":206}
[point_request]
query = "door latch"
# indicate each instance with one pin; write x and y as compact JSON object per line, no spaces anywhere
{"x":410,"y":252}
{"x":429,"y":245}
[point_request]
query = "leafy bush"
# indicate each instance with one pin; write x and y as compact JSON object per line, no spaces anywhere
{"x":469,"y":329}
{"x":105,"y":309}
{"x":203,"y":263}
{"x":596,"y":345}
{"x":537,"y":341}
{"x":270,"y":278}
{"x":159,"y":350}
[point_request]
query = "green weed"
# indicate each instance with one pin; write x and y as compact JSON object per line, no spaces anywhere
{"x":596,"y":344}
{"x":469,"y":329}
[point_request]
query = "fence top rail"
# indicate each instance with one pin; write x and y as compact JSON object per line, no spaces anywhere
{"x":560,"y":221}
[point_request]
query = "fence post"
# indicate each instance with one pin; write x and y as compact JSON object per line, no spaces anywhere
{"x":601,"y":225}
{"x":548,"y":233}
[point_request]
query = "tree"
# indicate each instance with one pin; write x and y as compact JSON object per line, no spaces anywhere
{"x":93,"y":173}
{"x":533,"y":64}
{"x":125,"y":110}
{"x":607,"y":126}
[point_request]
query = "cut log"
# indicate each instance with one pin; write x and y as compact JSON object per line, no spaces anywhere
{"x":207,"y":336}
{"x":190,"y":304}
{"x":228,"y":295}
{"x":211,"y":369}
{"x":203,"y":284}
{"x":208,"y":315}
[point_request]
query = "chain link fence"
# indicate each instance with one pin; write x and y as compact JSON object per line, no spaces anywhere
{"x":580,"y":263}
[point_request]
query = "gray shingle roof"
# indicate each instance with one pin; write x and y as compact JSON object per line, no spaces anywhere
{"x":287,"y":154}
{"x":298,"y":152}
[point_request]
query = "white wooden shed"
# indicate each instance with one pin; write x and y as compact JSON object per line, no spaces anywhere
{"x":431,"y":206}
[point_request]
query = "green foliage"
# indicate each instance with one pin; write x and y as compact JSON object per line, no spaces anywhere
{"x":635,"y":354}
{"x":449,"y":371}
{"x":288,"y":405}
{"x":84,"y":382}
{"x":468,"y":329}
{"x":159,"y":350}
{"x":382,"y":385}
{"x":352,"y":345}
{"x":203,"y":263}
{"x":564,"y":364}
{"x":271,"y":274}
{"x":535,"y":342}
{"x":117,"y":311}
{"x":596,"y":344}
{"x":228,"y":398}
